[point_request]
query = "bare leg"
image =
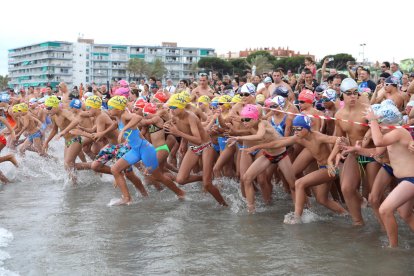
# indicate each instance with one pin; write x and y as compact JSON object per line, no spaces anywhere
{"x":375,"y":198}
{"x":287,"y":170}
{"x":137,"y":182}
{"x":226,"y":157}
{"x":69,"y":158}
{"x":406,"y":213}
{"x":9,"y":157}
{"x":403,"y":193}
{"x":117,"y":170}
{"x":189,"y":161}
{"x":351,"y":178}
{"x":322,"y":197}
{"x":159,"y":176}
{"x":208,"y":159}
{"x":256,"y":168}
{"x":246,"y":161}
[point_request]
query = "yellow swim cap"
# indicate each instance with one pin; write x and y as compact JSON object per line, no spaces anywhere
{"x":226,"y":99}
{"x":236,"y":99}
{"x":23,"y":107}
{"x":204,"y":99}
{"x":185,"y":95}
{"x":260,"y":98}
{"x":15,"y":108}
{"x":94,"y":102}
{"x":177,"y":100}
{"x":118,"y":102}
{"x":52,"y":101}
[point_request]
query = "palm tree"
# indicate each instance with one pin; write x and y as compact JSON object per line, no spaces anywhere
{"x":137,"y":67}
{"x":261,"y":63}
{"x":4,"y":81}
{"x":157,"y":69}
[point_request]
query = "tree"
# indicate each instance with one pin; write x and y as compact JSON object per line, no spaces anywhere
{"x":215,"y":64}
{"x":266,"y":54}
{"x":340,"y":60}
{"x":295,"y":64}
{"x":194,"y":69}
{"x":4,"y":81}
{"x":157,"y":69}
{"x":261,"y":63}
{"x":239,"y":66}
{"x":137,"y":67}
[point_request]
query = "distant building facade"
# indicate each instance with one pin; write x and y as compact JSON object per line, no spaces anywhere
{"x":276,"y":52}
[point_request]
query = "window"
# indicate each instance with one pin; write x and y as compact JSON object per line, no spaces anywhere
{"x":87,"y":56}
{"x":87,"y":64}
{"x":87,"y":71}
{"x":87,"y":79}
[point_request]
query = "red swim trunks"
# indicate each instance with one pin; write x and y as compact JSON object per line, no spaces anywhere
{"x":3,"y":140}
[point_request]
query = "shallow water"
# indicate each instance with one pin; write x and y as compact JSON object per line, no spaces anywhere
{"x":58,"y":229}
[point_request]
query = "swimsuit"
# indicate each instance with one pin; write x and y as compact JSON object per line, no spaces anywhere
{"x":388,"y":169}
{"x":222,"y":141}
{"x":35,"y":135}
{"x":77,"y":139}
{"x":322,"y":166}
{"x":111,"y":151}
{"x":141,"y":149}
{"x":198,"y":150}
{"x":245,"y":147}
{"x":153,"y":128}
{"x":362,"y":160}
{"x":274,"y":159}
{"x":216,"y":147}
{"x":409,"y":179}
{"x":163,"y":147}
{"x":280,"y":128}
{"x":3,"y":140}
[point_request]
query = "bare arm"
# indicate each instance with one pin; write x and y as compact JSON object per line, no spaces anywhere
{"x":258,"y":136}
{"x":282,"y":142}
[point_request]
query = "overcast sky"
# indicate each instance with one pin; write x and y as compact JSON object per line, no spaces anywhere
{"x":317,"y":27}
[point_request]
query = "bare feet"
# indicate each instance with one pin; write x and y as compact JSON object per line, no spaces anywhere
{"x":181,"y":195}
{"x":120,"y":201}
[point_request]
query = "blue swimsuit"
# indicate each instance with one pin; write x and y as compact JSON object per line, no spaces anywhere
{"x":141,"y":149}
{"x":280,"y":128}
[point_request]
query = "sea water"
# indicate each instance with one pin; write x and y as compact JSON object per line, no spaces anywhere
{"x":49,"y":227}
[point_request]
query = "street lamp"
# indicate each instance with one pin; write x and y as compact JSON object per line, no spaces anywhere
{"x":363,"y":52}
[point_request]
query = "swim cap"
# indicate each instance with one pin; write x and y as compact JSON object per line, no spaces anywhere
{"x":75,"y":103}
{"x":139,"y":103}
{"x":226,"y":100}
{"x":122,"y":91}
{"x":267,"y":80}
{"x":161,"y":97}
{"x":215,"y":99}
{"x":204,"y":99}
{"x":281,"y":91}
{"x":150,"y":108}
{"x":52,"y":101}
{"x":15,"y":108}
{"x":268,"y":102}
{"x":32,"y":101}
{"x":23,"y":107}
{"x":307,"y":96}
{"x":118,"y":102}
{"x":178,"y":100}
{"x":94,"y":102}
{"x":330,"y":94}
{"x":248,"y":88}
{"x":4,"y":98}
{"x":348,"y":84}
{"x":392,"y":80}
{"x":302,"y":121}
{"x":123,"y":83}
{"x":185,"y":95}
{"x":154,"y":86}
{"x":410,"y":103}
{"x":87,"y":95}
{"x":250,"y":111}
{"x":321,"y":87}
{"x":388,"y":114}
{"x":279,"y":100}
{"x":260,"y":98}
{"x":236,"y":99}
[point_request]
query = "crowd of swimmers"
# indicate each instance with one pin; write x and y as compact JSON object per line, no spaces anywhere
{"x":261,"y":130}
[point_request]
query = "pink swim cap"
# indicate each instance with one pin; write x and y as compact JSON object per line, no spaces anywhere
{"x":123,"y":83}
{"x":250,"y":111}
{"x":268,"y":102}
{"x":122,"y":91}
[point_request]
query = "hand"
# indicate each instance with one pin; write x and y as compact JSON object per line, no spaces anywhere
{"x":171,"y":129}
{"x":411,"y":146}
{"x":370,"y":115}
{"x":249,"y":150}
{"x":97,"y":136}
{"x":332,"y":170}
{"x":121,"y":136}
{"x":58,"y":136}
{"x":231,"y":141}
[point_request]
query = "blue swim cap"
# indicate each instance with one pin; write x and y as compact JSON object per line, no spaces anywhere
{"x":75,"y":103}
{"x":4,"y":98}
{"x":281,"y":91}
{"x":302,"y":121}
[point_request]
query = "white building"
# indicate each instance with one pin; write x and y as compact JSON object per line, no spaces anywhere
{"x":86,"y":62}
